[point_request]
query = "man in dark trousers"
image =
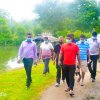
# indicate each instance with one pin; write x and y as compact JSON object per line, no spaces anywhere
{"x":28,"y":52}
{"x":94,"y":55}
{"x":69,"y":51}
{"x":59,"y":67}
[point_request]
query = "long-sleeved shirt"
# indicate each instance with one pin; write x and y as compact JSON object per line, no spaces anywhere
{"x":28,"y":50}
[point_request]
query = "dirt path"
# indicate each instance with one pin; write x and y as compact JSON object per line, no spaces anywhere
{"x":90,"y":91}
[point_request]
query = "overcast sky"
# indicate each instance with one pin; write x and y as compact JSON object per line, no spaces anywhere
{"x":21,"y":9}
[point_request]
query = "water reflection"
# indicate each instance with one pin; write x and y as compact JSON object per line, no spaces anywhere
{"x":12,"y":63}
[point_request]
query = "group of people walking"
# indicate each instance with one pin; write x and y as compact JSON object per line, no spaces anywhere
{"x":70,"y":57}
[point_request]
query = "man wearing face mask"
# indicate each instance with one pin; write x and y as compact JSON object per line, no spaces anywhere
{"x":94,"y":55}
{"x":55,"y":58}
{"x":28,"y":51}
{"x":84,"y":51}
{"x":46,"y":49}
{"x":69,"y":51}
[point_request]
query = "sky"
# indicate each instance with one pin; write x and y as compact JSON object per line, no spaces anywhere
{"x":21,"y":9}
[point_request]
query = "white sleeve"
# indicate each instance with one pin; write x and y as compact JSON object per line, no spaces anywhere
{"x":41,"y":45}
{"x":51,"y":46}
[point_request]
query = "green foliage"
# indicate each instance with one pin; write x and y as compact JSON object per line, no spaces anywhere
{"x":59,"y":18}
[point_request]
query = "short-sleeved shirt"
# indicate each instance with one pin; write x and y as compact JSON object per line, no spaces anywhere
{"x":94,"y":47}
{"x":57,"y":50}
{"x":83,"y":47}
{"x":46,"y":49}
{"x":69,"y":52}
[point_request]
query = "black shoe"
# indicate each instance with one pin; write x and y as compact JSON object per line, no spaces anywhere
{"x":93,"y":80}
{"x":71,"y":93}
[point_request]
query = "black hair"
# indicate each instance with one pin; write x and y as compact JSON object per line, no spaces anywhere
{"x":28,"y":33}
{"x":69,"y":35}
{"x":82,"y":36}
{"x":94,"y":34}
{"x":46,"y":38}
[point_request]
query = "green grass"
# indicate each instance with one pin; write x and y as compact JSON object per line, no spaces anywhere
{"x":12,"y":83}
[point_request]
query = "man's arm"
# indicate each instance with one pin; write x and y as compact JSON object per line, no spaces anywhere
{"x":99,"y":54}
{"x":20,"y":52}
{"x":78,"y":58}
{"x":35,"y":53}
{"x":40,"y":54}
{"x":88,"y":53}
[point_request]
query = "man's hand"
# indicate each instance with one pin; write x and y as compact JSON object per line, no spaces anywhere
{"x":35,"y":63}
{"x":99,"y":60}
{"x":79,"y":64}
{"x":89,"y":60}
{"x":18,"y":61}
{"x":54,"y":62}
{"x":59,"y":63}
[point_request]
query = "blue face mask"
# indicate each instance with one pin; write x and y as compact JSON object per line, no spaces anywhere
{"x":29,"y":39}
{"x":82,"y":41}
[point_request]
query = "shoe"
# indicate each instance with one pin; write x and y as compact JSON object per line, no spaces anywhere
{"x":67,"y":90}
{"x":63,"y":81}
{"x":82,"y":83}
{"x":27,"y":86}
{"x":71,"y":93}
{"x":57,"y":84}
{"x":93,"y":80}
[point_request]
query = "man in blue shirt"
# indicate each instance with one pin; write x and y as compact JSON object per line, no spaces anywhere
{"x":84,"y":51}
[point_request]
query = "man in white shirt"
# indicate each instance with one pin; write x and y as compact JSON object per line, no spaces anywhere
{"x":46,"y":49}
{"x":94,"y":55}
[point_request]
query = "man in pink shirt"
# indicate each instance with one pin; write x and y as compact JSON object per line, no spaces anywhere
{"x":46,"y":49}
{"x":28,"y":52}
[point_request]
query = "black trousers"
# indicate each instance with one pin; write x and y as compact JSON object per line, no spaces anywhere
{"x":28,"y":66}
{"x":58,"y":74}
{"x":60,"y":70}
{"x":69,"y":71}
{"x":92,"y":69}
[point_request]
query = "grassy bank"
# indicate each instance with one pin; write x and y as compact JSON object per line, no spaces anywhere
{"x":12,"y":83}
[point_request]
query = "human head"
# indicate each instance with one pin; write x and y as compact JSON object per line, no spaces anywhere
{"x":46,"y":40}
{"x":82,"y":38}
{"x":69,"y":39}
{"x":94,"y":35}
{"x":61,"y":40}
{"x":29,"y":37}
{"x":72,"y":35}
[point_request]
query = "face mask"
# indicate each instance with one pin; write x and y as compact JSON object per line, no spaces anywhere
{"x":68,"y":41}
{"x":94,"y":38}
{"x":46,"y":41}
{"x":82,"y":41}
{"x":29,"y":39}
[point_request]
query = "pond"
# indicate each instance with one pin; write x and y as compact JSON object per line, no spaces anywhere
{"x":8,"y":57}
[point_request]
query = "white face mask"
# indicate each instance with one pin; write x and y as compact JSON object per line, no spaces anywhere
{"x":68,"y":41}
{"x":46,"y":41}
{"x":94,"y":38}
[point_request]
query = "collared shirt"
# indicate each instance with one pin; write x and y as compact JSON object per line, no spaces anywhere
{"x":83,"y":47}
{"x":94,"y":46}
{"x":27,"y":50}
{"x":46,"y":49}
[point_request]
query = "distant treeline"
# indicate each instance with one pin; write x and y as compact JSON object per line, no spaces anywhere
{"x":59,"y":18}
